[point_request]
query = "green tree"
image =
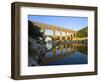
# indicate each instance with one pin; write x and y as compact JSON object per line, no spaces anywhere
{"x":82,"y":33}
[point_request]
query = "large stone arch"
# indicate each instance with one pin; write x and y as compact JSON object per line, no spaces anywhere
{"x":63,"y":31}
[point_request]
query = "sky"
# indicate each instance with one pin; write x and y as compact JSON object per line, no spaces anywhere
{"x":74,"y":23}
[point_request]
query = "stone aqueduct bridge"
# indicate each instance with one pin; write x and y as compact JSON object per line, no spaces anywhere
{"x":58,"y":32}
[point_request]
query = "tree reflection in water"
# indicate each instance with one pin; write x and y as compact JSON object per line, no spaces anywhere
{"x":66,"y":54}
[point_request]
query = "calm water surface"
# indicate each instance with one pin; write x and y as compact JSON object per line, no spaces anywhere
{"x":66,"y":54}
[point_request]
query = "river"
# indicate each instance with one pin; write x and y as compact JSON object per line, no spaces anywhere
{"x":66,"y":54}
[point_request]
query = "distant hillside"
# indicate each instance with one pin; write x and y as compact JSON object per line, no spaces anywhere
{"x":82,"y":33}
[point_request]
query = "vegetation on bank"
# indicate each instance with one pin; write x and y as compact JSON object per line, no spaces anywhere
{"x":82,"y":33}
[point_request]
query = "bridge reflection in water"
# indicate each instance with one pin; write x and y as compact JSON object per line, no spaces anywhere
{"x":65,"y":54}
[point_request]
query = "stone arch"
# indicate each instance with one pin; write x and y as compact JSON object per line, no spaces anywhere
{"x":48,"y":32}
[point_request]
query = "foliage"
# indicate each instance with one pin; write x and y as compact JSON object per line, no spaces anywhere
{"x":33,"y":30}
{"x":82,"y":33}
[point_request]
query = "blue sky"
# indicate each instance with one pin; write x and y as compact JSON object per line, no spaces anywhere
{"x":74,"y":23}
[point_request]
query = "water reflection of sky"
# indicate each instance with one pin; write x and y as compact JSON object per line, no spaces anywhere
{"x":67,"y":56}
{"x":75,"y":58}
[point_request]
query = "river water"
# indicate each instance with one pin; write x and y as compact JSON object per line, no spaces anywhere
{"x":66,"y":54}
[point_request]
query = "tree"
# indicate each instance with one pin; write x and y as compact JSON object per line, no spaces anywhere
{"x":33,"y":30}
{"x":82,"y":33}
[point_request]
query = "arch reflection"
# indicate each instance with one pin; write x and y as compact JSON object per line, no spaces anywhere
{"x":66,"y":52}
